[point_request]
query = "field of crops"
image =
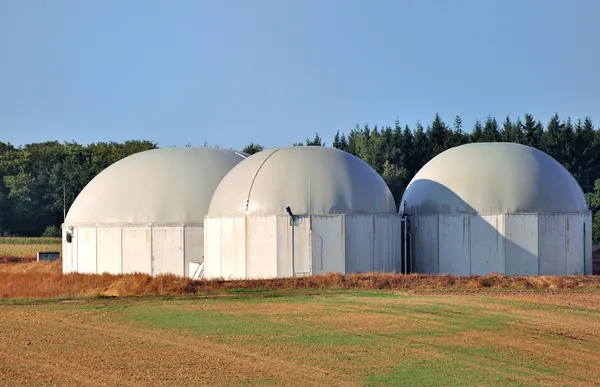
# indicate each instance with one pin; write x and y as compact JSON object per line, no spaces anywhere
{"x":26,"y":249}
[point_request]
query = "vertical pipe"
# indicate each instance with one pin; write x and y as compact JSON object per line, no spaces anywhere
{"x":344,"y":241}
{"x":584,"y":240}
{"x":245,"y":247}
{"x":151,"y":251}
{"x":121,"y":249}
{"x":183,"y":250}
{"x":310,"y":265}
{"x":405,"y":245}
{"x":309,"y":226}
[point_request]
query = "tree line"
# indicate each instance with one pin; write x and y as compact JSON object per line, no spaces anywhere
{"x":37,"y":179}
{"x":34,"y":177}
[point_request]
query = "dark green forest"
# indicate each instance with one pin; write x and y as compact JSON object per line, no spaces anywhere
{"x":34,"y":177}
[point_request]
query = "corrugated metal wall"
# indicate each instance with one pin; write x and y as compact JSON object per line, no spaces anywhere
{"x":143,"y":249}
{"x":506,"y":244}
{"x":320,"y":244}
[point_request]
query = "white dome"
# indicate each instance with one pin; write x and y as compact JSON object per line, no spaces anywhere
{"x":311,"y":180}
{"x":493,"y":178}
{"x":160,"y":186}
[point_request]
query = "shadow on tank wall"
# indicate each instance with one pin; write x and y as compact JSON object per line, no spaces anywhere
{"x":450,"y":237}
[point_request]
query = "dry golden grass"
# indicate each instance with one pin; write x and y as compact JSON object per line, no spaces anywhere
{"x":404,"y":282}
{"x":23,"y":268}
{"x":45,"y":280}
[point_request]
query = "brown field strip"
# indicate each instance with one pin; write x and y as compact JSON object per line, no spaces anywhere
{"x":338,"y":337}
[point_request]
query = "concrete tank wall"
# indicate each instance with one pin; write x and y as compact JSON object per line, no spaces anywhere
{"x":524,"y":244}
{"x":268,"y":246}
{"x":126,"y":249}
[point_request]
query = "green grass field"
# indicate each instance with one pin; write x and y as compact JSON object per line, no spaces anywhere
{"x":303,"y":337}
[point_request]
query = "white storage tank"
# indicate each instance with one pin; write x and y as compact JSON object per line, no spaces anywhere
{"x":498,"y":208}
{"x":145,"y":213}
{"x":297,"y":211}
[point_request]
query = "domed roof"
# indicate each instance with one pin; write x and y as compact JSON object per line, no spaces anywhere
{"x":311,"y":180}
{"x":167,"y":185}
{"x":493,"y":178}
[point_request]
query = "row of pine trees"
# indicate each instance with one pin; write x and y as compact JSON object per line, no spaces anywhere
{"x":34,"y":177}
{"x":398,"y":152}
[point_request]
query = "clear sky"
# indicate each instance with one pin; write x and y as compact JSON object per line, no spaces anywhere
{"x":277,"y":71}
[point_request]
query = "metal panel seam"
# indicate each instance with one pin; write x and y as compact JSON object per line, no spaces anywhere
{"x":437,"y":240}
{"x":373,"y":244}
{"x":537,"y":253}
{"x":310,"y":269}
{"x":504,"y":249}
{"x":121,"y":250}
{"x":566,"y":245}
{"x":183,"y":247}
{"x":245,"y":246}
{"x":96,"y":228}
{"x":467,"y":231}
{"x":151,"y":250}
{"x":344,"y":241}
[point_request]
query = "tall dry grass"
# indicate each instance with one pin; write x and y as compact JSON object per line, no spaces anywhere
{"x":382,"y":281}
{"x":45,"y":280}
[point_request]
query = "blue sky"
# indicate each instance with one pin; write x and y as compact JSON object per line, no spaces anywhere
{"x":275,"y":72}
